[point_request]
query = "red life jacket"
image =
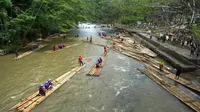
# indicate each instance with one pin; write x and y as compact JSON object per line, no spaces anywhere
{"x":80,"y":58}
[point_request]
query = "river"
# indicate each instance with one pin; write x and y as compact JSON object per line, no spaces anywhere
{"x":120,"y":87}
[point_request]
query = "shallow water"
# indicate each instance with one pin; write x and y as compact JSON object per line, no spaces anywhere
{"x":120,"y":87}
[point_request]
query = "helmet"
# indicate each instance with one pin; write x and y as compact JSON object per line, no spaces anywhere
{"x":41,"y":85}
{"x":46,"y":82}
{"x":49,"y":80}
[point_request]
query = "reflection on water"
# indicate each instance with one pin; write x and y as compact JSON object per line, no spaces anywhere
{"x":120,"y":87}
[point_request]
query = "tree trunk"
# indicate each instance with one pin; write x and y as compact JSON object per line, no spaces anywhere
{"x":192,"y":18}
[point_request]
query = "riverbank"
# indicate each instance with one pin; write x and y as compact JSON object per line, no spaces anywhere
{"x":171,"y":56}
{"x":190,"y":70}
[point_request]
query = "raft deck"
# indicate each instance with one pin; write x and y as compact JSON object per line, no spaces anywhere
{"x":29,"y":52}
{"x":51,"y":51}
{"x":30,"y":102}
{"x":180,"y":80}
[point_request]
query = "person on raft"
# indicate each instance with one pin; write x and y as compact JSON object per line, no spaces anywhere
{"x":42,"y":90}
{"x":35,"y":47}
{"x":54,"y":47}
{"x":99,"y":61}
{"x":161,"y":64}
{"x":80,"y":59}
{"x":105,"y":49}
{"x":61,"y":46}
{"x":48,"y":85}
{"x":178,"y":73}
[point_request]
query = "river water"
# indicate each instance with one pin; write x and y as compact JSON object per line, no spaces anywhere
{"x":120,"y":87}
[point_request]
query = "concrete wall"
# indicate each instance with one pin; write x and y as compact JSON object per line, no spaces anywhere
{"x":175,"y":59}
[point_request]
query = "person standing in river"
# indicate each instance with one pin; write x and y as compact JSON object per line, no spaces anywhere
{"x":16,"y":53}
{"x":91,"y":39}
{"x":54,"y":47}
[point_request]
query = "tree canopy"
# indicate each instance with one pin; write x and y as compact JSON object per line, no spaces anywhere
{"x":23,"y":21}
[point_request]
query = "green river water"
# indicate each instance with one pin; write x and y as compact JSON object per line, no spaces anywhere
{"x":120,"y":87}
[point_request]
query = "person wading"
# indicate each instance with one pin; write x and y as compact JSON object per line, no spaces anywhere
{"x":91,"y":39}
{"x":16,"y":53}
{"x":105,"y":49}
{"x":54,"y":47}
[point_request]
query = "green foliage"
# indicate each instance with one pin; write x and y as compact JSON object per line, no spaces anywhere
{"x":196,"y":30}
{"x":24,"y":21}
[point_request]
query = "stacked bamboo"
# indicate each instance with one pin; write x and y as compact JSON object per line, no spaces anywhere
{"x":136,"y":51}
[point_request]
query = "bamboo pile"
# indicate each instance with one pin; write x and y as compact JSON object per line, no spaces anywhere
{"x":136,"y":51}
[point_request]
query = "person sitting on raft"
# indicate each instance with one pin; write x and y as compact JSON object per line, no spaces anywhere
{"x":42,"y":90}
{"x":60,"y":46}
{"x":99,"y":61}
{"x":48,"y":84}
{"x":35,"y":46}
{"x":63,"y":45}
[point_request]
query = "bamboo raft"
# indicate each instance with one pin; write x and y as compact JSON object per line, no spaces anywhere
{"x":51,"y":51}
{"x":131,"y":46}
{"x":192,"y":103}
{"x":29,"y":52}
{"x":30,"y":102}
{"x":165,"y":71}
{"x":96,"y":71}
{"x":180,"y":80}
